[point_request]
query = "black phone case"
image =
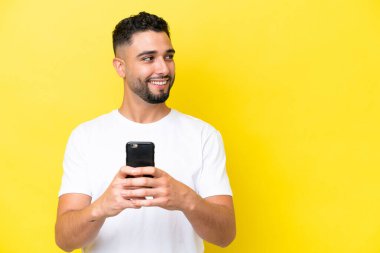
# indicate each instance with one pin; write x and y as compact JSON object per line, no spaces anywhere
{"x":140,"y":154}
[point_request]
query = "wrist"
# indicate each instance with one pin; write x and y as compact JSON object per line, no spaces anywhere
{"x":191,"y":202}
{"x":96,"y":213}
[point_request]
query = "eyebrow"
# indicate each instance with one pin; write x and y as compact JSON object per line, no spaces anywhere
{"x":155,"y":52}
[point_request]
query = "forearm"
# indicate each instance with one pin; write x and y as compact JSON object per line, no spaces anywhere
{"x":212,"y":218}
{"x":74,"y":229}
{"x":213,"y":222}
{"x":79,"y":220}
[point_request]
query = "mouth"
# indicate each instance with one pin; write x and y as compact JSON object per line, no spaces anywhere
{"x":159,"y":82}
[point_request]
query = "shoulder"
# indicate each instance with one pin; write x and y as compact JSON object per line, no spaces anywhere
{"x":193,"y":123}
{"x":100,"y":123}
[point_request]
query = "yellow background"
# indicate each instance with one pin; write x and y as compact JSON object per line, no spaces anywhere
{"x":292,"y":85}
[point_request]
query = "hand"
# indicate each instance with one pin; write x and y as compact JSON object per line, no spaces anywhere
{"x":115,"y":199}
{"x":167,"y":192}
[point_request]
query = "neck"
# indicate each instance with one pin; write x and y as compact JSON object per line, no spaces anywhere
{"x":143,"y":112}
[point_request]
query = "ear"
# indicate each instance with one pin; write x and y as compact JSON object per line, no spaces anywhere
{"x":119,"y":66}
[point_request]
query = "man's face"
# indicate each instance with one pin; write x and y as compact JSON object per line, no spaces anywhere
{"x":149,"y":66}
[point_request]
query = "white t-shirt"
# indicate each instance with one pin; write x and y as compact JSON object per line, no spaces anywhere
{"x":190,"y":150}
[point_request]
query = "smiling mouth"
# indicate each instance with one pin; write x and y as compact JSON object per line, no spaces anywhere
{"x":159,"y":83}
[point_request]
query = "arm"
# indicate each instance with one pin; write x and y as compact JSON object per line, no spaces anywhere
{"x":79,"y":220}
{"x":76,"y":223}
{"x":212,"y":218}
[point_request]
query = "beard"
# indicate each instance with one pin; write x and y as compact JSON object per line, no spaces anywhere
{"x":141,"y":89}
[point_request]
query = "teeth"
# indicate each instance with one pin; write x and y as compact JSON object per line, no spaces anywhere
{"x":158,"y":82}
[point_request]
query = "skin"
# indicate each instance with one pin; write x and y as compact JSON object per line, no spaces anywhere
{"x":79,"y":220}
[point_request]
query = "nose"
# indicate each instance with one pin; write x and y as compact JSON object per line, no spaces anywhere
{"x":162,"y":67}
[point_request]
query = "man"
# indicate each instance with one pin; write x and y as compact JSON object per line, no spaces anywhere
{"x":188,"y":197}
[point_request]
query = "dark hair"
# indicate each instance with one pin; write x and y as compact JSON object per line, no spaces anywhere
{"x":138,"y":23}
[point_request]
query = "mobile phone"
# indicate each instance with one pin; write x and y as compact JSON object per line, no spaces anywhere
{"x":140,"y":154}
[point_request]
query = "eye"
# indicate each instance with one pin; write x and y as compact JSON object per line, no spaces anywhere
{"x":147,"y":58}
{"x":169,"y":57}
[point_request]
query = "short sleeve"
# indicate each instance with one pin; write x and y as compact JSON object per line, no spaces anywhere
{"x":75,"y":178}
{"x":213,"y":179}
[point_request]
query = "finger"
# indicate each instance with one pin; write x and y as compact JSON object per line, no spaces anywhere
{"x":120,"y":204}
{"x":139,"y":193}
{"x":139,"y":182}
{"x":129,"y":204}
{"x":141,"y":171}
{"x":130,"y":172}
{"x":134,"y":198}
{"x":125,"y":171}
{"x":161,"y":202}
{"x":151,"y":171}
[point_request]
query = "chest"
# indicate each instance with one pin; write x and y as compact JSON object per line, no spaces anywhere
{"x":179,"y":155}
